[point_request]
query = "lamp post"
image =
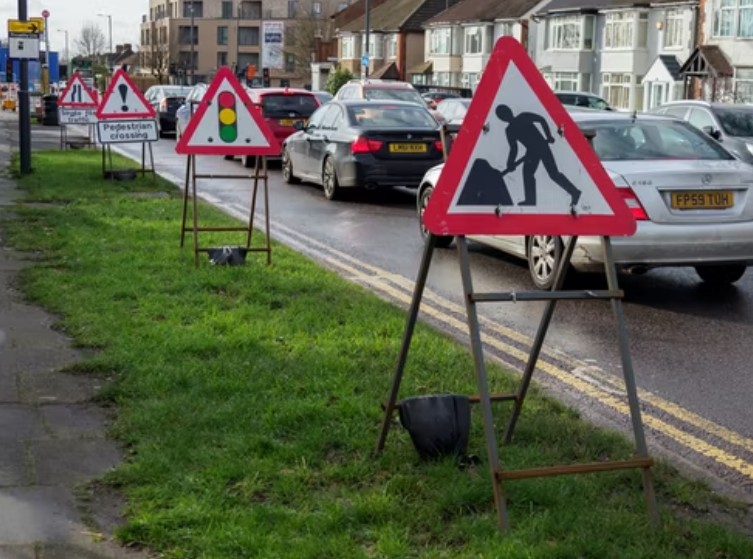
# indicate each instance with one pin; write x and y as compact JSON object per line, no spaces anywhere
{"x":109,"y":30}
{"x":192,"y":45}
{"x":367,"y":9}
{"x":67,"y":60}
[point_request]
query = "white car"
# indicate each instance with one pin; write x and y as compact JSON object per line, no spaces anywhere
{"x":692,"y":200}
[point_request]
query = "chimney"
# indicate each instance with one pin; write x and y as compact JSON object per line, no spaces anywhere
{"x":127,"y":47}
{"x":118,"y":49}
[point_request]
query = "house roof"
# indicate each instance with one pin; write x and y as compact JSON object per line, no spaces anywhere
{"x":671,"y":64}
{"x":707,"y":60}
{"x":483,"y":10}
{"x":398,"y":15}
{"x":387,"y":72}
{"x":594,"y":5}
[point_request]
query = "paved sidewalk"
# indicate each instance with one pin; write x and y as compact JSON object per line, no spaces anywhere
{"x":52,"y":437}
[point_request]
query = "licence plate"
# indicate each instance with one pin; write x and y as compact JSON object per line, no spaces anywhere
{"x":408,"y":148}
{"x":702,"y":200}
{"x":291,"y":121}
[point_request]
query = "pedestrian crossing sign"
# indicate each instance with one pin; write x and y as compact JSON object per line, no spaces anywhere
{"x":123,"y":99}
{"x":226,"y":122}
{"x":520,"y":165}
{"x":77,"y":95}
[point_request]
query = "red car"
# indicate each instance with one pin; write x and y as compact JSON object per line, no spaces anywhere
{"x":282,"y":108}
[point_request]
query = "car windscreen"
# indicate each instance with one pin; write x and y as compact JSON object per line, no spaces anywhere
{"x":176,"y":91}
{"x":390,"y":116}
{"x":736,"y":121}
{"x":288,"y":105}
{"x":384,"y":93}
{"x":636,"y":140}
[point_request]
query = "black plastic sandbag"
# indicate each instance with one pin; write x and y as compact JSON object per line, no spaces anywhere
{"x":439,"y":425}
{"x":228,"y":256}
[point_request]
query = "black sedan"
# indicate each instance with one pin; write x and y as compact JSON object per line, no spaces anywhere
{"x":362,"y":143}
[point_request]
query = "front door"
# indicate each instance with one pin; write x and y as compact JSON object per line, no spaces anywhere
{"x":657,"y":95}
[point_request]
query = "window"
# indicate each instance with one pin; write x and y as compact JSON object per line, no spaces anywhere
{"x":332,"y":119}
{"x":250,"y":10}
{"x":700,"y":118}
{"x":505,"y":29}
{"x":248,"y":36}
{"x":615,"y":89}
{"x":316,"y":9}
{"x":221,"y":59}
{"x":347,"y":48}
{"x":725,"y":22}
{"x":392,"y":46}
{"x":188,"y":34}
{"x":289,"y":62}
{"x":292,"y":8}
{"x":376,"y":45}
{"x":744,"y":84}
{"x":673,"y":29}
{"x":196,"y":7}
{"x":222,"y":35}
{"x":570,"y":32}
{"x":184,"y":60}
{"x":246,"y":59}
{"x":439,"y":41}
{"x":565,"y":81}
{"x":625,"y":30}
{"x":642,"y":39}
{"x":472,"y":40}
{"x":746,"y":19}
{"x":227,"y":10}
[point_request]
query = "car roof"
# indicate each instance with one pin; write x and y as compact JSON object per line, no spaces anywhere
{"x":699,"y":103}
{"x":591,"y":115}
{"x":584,"y":93}
{"x":277,"y":90}
{"x":388,"y":84}
{"x":372,"y":102}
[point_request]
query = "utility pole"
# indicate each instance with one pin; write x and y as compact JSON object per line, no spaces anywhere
{"x":109,"y":30}
{"x":192,"y":45}
{"x":238,"y":41}
{"x":366,"y":36}
{"x":24,"y":115}
{"x":67,"y":60}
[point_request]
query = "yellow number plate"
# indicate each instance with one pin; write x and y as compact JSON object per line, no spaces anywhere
{"x":290,"y":121}
{"x":408,"y":148}
{"x":702,"y":200}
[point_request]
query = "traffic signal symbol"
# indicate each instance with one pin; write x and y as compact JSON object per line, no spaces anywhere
{"x":228,"y":117}
{"x":8,"y":70}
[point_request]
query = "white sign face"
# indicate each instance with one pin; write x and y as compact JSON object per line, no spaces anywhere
{"x":23,"y":46}
{"x":68,"y":115}
{"x":272,"y":42}
{"x":126,"y":131}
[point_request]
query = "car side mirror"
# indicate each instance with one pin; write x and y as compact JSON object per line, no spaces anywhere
{"x":713,"y":132}
{"x":299,"y":125}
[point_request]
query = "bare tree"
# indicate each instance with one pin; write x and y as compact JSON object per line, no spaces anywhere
{"x":308,"y":30}
{"x":158,"y":56}
{"x":91,"y":41}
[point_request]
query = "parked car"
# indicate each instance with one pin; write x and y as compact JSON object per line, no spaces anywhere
{"x":731,"y":124}
{"x":166,"y":99}
{"x":692,"y":200}
{"x":433,"y":98}
{"x":323,"y":96}
{"x":184,"y":113}
{"x":369,"y":144}
{"x":283,"y":110}
{"x":582,"y":99}
{"x":452,"y":111}
{"x":380,"y":90}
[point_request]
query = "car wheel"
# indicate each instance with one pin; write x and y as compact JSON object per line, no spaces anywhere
{"x":544,"y":255}
{"x":287,"y":169}
{"x":249,"y":161}
{"x":228,"y":157}
{"x":442,"y":241}
{"x":332,"y":190}
{"x":721,"y":275}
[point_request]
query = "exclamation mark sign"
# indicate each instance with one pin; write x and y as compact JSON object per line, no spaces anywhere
{"x":123,"y":89}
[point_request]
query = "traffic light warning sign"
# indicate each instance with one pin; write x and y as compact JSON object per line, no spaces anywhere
{"x":226,"y":122}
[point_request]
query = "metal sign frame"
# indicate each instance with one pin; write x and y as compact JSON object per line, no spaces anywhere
{"x":641,"y":459}
{"x":189,"y":192}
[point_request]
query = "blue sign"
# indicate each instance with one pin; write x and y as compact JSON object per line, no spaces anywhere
{"x":365,"y":60}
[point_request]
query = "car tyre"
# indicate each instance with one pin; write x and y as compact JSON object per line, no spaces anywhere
{"x":287,"y":169}
{"x":544,"y":256}
{"x":249,"y":161}
{"x":721,"y":275}
{"x":442,"y":241}
{"x":330,"y":184}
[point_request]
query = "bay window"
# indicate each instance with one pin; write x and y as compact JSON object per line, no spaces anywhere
{"x":570,"y":32}
{"x":348,"y":47}
{"x":615,"y":89}
{"x":625,"y":30}
{"x":733,"y":18}
{"x":473,"y":40}
{"x":673,"y":29}
{"x":439,"y":41}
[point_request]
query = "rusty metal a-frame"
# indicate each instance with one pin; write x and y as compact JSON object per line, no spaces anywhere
{"x":641,"y":459}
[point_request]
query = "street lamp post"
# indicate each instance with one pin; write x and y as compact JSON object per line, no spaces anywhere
{"x":367,"y":23}
{"x":192,"y":45}
{"x":109,"y":30}
{"x":67,"y":60}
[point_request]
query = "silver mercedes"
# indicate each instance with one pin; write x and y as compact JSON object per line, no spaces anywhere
{"x":692,"y":200}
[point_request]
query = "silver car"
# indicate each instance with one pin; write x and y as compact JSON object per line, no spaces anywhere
{"x":692,"y":200}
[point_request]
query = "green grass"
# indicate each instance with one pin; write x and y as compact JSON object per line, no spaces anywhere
{"x":248,"y":398}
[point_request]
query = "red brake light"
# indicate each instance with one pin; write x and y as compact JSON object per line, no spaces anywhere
{"x":633,"y":203}
{"x":438,"y":145}
{"x":364,"y":145}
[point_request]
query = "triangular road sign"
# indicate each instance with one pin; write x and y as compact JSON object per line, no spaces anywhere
{"x":520,"y":165}
{"x":77,"y":94}
{"x":122,"y":99}
{"x":226,"y":122}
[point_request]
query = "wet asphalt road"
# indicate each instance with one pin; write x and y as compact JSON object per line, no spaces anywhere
{"x":691,"y":346}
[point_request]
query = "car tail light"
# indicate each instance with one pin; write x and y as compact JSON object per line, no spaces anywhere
{"x":633,"y":203}
{"x":438,"y":145}
{"x":364,"y":145}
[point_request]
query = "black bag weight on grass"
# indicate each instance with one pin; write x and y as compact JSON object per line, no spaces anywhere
{"x":438,"y":425}
{"x":227,"y":256}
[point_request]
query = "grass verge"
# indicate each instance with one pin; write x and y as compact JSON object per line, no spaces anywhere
{"x":248,"y":398}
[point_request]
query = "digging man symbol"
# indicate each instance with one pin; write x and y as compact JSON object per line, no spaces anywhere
{"x":522,"y":129}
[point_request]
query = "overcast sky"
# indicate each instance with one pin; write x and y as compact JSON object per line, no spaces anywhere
{"x":71,"y":15}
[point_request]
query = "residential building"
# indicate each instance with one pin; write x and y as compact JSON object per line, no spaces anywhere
{"x":459,"y":40}
{"x":184,"y":40}
{"x":396,"y":37}
{"x":628,"y":52}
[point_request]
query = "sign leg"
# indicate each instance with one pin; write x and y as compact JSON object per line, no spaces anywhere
{"x":418,"y":291}
{"x":186,"y":188}
{"x":151,"y":162}
{"x":630,"y":387}
{"x":538,"y":342}
{"x":266,"y":213}
{"x":254,"y":194}
{"x":483,"y":385}
{"x":195,"y":213}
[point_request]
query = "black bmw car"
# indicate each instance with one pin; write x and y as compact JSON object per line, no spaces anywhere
{"x":362,"y":143}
